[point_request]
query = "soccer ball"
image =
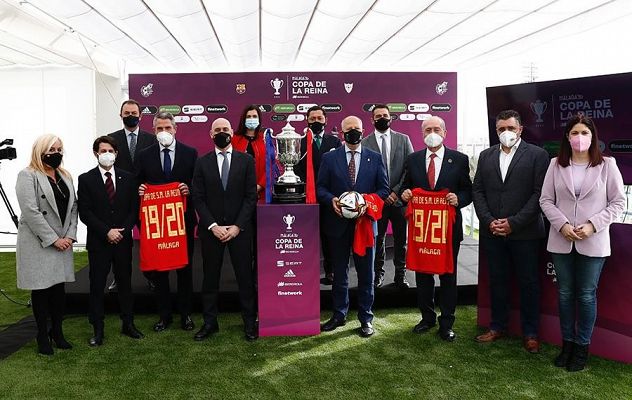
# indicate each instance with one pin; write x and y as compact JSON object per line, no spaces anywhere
{"x":352,"y":204}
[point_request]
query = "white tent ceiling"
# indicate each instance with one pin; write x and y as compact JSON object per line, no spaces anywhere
{"x":122,"y":36}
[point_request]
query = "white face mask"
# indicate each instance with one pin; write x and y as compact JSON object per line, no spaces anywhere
{"x":508,"y":138}
{"x":106,"y":160}
{"x":164,"y":138}
{"x":433,"y":140}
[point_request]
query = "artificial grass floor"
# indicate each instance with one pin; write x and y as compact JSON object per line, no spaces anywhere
{"x":393,"y":364}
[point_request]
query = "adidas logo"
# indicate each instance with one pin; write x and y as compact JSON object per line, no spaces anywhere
{"x":289,"y":274}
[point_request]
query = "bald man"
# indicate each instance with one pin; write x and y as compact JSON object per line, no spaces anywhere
{"x":450,"y":170}
{"x":224,"y":192}
{"x":349,"y":168}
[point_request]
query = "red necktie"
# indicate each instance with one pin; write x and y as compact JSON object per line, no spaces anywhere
{"x":431,"y":171}
{"x":109,"y":187}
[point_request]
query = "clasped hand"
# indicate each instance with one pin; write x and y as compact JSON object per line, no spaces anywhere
{"x":225,"y":233}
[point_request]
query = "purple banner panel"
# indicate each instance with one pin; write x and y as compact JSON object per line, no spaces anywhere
{"x":545,"y":107}
{"x":288,"y":255}
{"x":197,"y":99}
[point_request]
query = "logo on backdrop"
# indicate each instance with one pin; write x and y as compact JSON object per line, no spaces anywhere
{"x":148,"y":110}
{"x":276,"y":84}
{"x":442,"y":88}
{"x":147,"y":90}
{"x":538,"y":107}
{"x":348,"y":87}
{"x":289,"y":274}
{"x":289,"y":220}
{"x":240,"y":88}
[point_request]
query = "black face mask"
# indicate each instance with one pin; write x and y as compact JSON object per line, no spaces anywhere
{"x":52,"y":160}
{"x":221,"y":140}
{"x":353,"y":136}
{"x":382,"y":124}
{"x":316,"y":127}
{"x":131,"y":121}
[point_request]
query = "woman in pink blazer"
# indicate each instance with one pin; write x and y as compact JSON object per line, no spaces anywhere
{"x":581,"y":196}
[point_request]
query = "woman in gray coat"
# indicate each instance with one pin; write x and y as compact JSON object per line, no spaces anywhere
{"x":47,"y":229}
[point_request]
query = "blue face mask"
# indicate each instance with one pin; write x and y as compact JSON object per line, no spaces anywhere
{"x":252,"y":123}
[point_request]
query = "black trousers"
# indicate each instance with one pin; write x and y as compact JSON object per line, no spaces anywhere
{"x":447,"y":294}
{"x":213,"y":256}
{"x":117,"y":258}
{"x":49,"y":303}
{"x":396,"y":216}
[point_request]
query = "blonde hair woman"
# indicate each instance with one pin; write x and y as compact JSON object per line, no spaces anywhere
{"x":47,"y":229}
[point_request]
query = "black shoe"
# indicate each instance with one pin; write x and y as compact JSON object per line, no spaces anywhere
{"x":379,"y":281}
{"x":578,"y":358}
{"x":97,"y":339}
{"x":186,"y":323}
{"x":328,"y":279}
{"x":151,"y":285}
{"x":332,"y":324}
{"x":130,"y":330}
{"x":447,"y":334}
{"x":423,"y":326}
{"x":206,"y":331}
{"x":59,"y":341}
{"x":112,"y":285}
{"x":366,"y":329}
{"x":251,"y":333}
{"x":567,"y":350}
{"x":162,"y":324}
{"x":401,"y":282}
{"x":43,"y":346}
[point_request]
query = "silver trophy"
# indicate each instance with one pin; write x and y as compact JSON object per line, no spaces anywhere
{"x":276,"y":84}
{"x":538,"y":108}
{"x":289,"y":188}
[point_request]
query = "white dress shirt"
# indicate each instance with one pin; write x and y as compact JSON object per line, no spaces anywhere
{"x":129,"y":137}
{"x":387,"y":135}
{"x":505,"y":159}
{"x":437,"y":162}
{"x":220,"y":158}
{"x":111,"y":171}
{"x":357,"y":158}
{"x":172,"y":154}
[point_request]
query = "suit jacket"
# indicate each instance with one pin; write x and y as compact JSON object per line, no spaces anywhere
{"x":38,"y":263}
{"x":400,"y":148}
{"x":99,"y":215}
{"x":517,"y":198}
{"x":333,"y":180}
{"x":454,"y":176}
{"x":124,"y":159}
{"x":233,"y":206}
{"x":149,"y":170}
{"x":329,"y":142}
{"x":601,"y":201}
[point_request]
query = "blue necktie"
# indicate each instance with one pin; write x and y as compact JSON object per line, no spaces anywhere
{"x":166,"y":167}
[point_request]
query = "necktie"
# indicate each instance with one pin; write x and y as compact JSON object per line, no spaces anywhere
{"x":109,"y":187}
{"x":318,"y":140}
{"x":225,"y":169}
{"x":166,"y":167}
{"x":132,"y":145}
{"x":431,"y":171}
{"x":384,"y":154}
{"x":352,"y":168}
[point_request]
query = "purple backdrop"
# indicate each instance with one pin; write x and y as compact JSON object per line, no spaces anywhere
{"x":605,"y":99}
{"x":197,"y":99}
{"x":288,"y":256}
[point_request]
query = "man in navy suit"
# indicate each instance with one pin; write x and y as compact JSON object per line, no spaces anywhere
{"x":450,"y":170}
{"x":350,"y":167}
{"x":323,"y":143}
{"x":165,"y":162}
{"x":108,"y":205}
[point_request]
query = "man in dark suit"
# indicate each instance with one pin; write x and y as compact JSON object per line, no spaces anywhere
{"x":165,"y":162}
{"x":506,"y":196}
{"x":225,"y":196}
{"x":394,"y":148}
{"x":323,"y":143}
{"x":350,"y":167}
{"x":437,"y":168}
{"x":108,"y":205}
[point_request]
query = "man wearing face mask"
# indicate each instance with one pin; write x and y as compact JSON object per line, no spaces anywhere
{"x":349,"y":168}
{"x":130,"y":140}
{"x":108,"y":205}
{"x":323,"y":143}
{"x":165,"y":162}
{"x":225,"y":196}
{"x":433,"y":169}
{"x":506,"y":196}
{"x":394,"y":148}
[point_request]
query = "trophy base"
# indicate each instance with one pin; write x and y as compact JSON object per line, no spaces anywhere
{"x":288,"y":193}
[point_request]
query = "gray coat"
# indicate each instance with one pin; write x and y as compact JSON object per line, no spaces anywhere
{"x":39,"y":264}
{"x":400,"y":148}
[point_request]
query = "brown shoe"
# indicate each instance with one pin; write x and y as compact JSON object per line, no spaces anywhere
{"x":489,"y":336}
{"x":531,"y":345}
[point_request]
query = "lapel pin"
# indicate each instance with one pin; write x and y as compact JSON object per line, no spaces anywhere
{"x":368,"y":159}
{"x":450,"y":160}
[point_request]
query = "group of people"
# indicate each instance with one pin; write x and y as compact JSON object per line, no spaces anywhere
{"x":580,"y":194}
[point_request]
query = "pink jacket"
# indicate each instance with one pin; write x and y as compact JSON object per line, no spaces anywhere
{"x":601,"y":202}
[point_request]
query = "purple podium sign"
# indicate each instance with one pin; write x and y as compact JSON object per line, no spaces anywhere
{"x":288,"y":254}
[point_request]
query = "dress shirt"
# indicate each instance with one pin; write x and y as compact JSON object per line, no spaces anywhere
{"x":437,"y":162}
{"x":505,"y":159}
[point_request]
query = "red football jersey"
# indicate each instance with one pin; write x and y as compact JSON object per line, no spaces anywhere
{"x":163,"y":238}
{"x":430,"y":220}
